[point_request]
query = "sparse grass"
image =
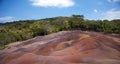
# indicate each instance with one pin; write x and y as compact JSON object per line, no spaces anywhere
{"x":12,"y":44}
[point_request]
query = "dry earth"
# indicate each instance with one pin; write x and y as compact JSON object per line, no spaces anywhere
{"x":66,"y":47}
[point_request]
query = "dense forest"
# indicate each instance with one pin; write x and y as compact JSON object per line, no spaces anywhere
{"x":26,"y":29}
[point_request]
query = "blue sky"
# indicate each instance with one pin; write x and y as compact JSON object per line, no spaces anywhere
{"x":11,"y":10}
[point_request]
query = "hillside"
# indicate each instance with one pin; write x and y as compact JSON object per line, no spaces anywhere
{"x":26,"y":29}
{"x":65,"y":47}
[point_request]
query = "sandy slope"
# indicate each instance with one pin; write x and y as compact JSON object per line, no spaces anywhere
{"x":66,"y":47}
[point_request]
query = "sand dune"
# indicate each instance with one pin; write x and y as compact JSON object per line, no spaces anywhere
{"x":66,"y":47}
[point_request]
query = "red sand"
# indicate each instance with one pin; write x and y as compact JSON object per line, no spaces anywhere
{"x":66,"y":47}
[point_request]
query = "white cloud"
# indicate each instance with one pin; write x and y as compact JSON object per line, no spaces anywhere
{"x":111,"y":14}
{"x":95,"y":10}
{"x":6,"y":19}
{"x":53,"y":3}
{"x":113,"y":0}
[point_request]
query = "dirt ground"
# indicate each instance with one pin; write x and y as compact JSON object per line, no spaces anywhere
{"x":65,"y":47}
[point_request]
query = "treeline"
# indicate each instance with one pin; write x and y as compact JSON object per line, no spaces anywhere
{"x":22,"y":30}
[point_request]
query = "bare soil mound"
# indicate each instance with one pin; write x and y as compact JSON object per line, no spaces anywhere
{"x":66,"y":47}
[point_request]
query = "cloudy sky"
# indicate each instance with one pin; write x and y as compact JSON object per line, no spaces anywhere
{"x":11,"y":10}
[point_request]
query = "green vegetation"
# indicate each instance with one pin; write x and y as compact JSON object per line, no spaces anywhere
{"x":22,"y":30}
